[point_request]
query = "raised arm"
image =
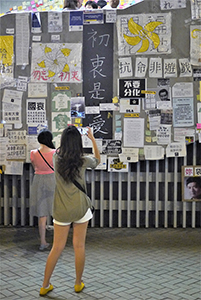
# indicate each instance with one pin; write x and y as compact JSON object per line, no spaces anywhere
{"x":91,"y":137}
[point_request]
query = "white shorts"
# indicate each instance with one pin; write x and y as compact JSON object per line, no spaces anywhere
{"x":88,"y":216}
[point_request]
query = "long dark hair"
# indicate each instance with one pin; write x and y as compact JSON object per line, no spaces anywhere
{"x":45,"y":137}
{"x":70,"y":154}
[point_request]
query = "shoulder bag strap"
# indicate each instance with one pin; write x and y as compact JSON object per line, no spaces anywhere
{"x":79,"y":186}
{"x":45,"y":160}
{"x":83,"y":190}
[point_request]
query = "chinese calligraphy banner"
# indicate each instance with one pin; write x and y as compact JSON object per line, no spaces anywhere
{"x":56,"y":62}
{"x":98,"y":76}
{"x":98,"y":64}
{"x":144,"y":33}
{"x":100,"y":123}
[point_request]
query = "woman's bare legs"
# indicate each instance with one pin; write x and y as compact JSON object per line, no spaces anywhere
{"x":59,"y":242}
{"x":79,"y":237}
{"x":42,"y":229}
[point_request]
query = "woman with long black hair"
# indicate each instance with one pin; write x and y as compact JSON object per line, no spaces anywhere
{"x":71,"y":205}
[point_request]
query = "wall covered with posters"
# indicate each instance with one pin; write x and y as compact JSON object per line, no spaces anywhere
{"x":133,"y":75}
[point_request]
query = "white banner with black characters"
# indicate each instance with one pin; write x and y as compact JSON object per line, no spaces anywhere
{"x":131,"y":88}
{"x":176,"y":150}
{"x":36,"y":111}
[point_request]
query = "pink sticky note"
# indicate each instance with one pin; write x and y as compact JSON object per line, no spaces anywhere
{"x":32,"y":2}
{"x":198,"y":125}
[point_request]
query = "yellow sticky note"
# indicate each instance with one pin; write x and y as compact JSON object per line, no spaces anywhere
{"x":78,"y":120}
{"x":154,"y":139}
{"x":115,"y":100}
{"x":141,"y":151}
{"x":148,"y":139}
{"x":109,"y":115}
{"x":148,"y":92}
{"x":136,"y":115}
{"x":19,"y":8}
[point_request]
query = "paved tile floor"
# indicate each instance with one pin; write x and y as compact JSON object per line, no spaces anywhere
{"x":121,"y":264}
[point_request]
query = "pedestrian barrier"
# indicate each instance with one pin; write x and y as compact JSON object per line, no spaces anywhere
{"x":149,"y":195}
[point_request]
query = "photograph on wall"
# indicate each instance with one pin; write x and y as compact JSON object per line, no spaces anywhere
{"x":191,"y":183}
{"x":158,"y":97}
{"x":156,"y":37}
{"x":78,"y":107}
{"x":56,"y":62}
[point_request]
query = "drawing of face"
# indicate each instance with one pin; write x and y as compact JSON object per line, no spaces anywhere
{"x":194,"y":190}
{"x":163,"y":94}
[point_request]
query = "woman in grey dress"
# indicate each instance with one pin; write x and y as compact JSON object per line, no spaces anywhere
{"x":43,"y":185}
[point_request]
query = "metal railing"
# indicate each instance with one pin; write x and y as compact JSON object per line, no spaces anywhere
{"x":149,"y":195}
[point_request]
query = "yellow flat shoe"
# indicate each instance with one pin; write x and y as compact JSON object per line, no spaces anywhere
{"x":79,"y":287}
{"x":44,"y":291}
